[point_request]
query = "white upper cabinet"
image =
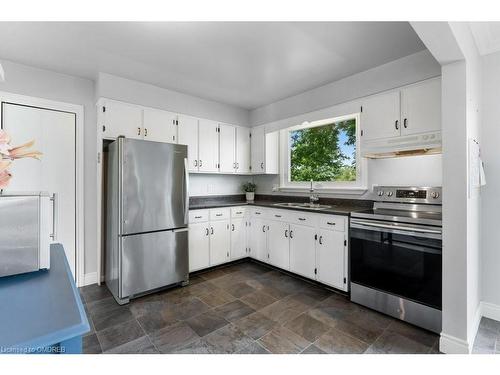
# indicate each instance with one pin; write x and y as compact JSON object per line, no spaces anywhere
{"x":227,"y":146}
{"x":188,"y":135}
{"x":208,"y":146}
{"x":122,"y":119}
{"x":265,"y":151}
{"x":380,"y":117}
{"x":411,"y":110}
{"x":421,"y":108}
{"x":242,"y":150}
{"x":160,"y":126}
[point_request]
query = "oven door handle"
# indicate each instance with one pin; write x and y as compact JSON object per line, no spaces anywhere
{"x":379,"y":227}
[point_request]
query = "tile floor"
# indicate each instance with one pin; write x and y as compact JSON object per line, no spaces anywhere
{"x":245,"y":308}
{"x":488,"y":337}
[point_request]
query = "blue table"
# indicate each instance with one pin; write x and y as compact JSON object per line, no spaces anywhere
{"x":42,"y":312}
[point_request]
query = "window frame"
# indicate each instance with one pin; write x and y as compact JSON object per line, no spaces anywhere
{"x":350,"y":187}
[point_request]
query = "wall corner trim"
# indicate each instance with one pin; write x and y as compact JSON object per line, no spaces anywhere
{"x":453,"y":345}
{"x":490,"y":310}
{"x":89,"y":278}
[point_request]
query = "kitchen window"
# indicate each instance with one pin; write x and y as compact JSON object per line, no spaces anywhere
{"x":325,"y":152}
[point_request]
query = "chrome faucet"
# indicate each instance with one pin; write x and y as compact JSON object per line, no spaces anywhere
{"x":313,"y":198}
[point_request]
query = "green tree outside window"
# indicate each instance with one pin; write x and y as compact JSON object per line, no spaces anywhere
{"x":324,"y":153}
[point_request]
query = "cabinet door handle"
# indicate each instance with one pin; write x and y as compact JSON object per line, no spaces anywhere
{"x":139,"y":131}
{"x":405,"y":123}
{"x":145,"y":132}
{"x":232,"y":227}
{"x":262,"y":165}
{"x":321,"y":240}
{"x":286,"y":233}
{"x":237,"y":165}
{"x":291,"y":233}
{"x":211,"y":230}
{"x":264,"y":228}
{"x":396,"y":124}
{"x":200,"y":163}
{"x":206,"y":230}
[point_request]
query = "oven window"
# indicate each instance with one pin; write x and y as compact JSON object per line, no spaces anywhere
{"x":403,"y":265}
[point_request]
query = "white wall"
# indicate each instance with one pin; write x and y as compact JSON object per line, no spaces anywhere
{"x":214,"y":184}
{"x":113,"y":87}
{"x":406,"y":70}
{"x":490,"y":151}
{"x":30,"y":81}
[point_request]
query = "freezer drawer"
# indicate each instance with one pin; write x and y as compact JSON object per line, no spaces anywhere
{"x":153,"y":260}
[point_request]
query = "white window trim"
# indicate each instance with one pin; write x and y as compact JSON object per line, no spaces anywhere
{"x":356,"y":187}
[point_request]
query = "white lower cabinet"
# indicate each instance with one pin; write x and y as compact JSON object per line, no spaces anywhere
{"x":331,"y":258}
{"x":302,"y":250}
{"x":199,"y":246}
{"x":308,"y":244}
{"x":278,"y":247}
{"x":220,"y":242}
{"x":239,"y":238}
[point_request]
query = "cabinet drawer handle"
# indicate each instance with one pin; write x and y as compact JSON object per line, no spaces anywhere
{"x":218,"y":214}
{"x":321,"y":240}
{"x":198,"y":217}
{"x":257,"y":213}
{"x":330,"y":223}
{"x":396,"y":124}
{"x":291,"y":234}
{"x":405,"y":123}
{"x":302,"y":219}
{"x":286,"y":233}
{"x":138,"y":131}
{"x":277,"y":215}
{"x":239,"y":213}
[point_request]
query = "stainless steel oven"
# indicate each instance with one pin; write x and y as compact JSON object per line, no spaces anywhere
{"x":396,"y":257}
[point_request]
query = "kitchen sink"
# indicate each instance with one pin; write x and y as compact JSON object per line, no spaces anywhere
{"x":309,"y":206}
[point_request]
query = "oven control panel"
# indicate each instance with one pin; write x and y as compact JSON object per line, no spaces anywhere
{"x":407,"y":194}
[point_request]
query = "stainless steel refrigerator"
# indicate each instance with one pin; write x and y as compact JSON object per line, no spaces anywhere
{"x":147,"y":217}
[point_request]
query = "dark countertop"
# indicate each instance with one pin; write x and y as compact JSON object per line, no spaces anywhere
{"x":42,"y":308}
{"x":339,"y":206}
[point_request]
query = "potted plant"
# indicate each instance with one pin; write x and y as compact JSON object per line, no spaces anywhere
{"x":249,"y":189}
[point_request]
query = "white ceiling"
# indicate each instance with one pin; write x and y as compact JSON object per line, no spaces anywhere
{"x":245,"y":64}
{"x":487,"y":36}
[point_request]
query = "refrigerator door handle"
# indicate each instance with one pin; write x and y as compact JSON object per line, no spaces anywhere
{"x":186,"y":193}
{"x":180,"y":230}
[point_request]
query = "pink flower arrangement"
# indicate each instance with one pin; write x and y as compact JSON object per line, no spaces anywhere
{"x":8,"y":154}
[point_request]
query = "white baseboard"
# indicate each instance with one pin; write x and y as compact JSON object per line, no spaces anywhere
{"x":89,"y":278}
{"x":453,"y":345}
{"x":490,"y":310}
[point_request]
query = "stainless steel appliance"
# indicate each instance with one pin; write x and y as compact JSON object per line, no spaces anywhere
{"x":396,"y":255}
{"x":26,"y":231}
{"x":147,"y":217}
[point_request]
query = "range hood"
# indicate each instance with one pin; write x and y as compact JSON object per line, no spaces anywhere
{"x":407,"y":145}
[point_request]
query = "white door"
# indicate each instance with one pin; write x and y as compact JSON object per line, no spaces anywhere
{"x":238,"y":238}
{"x":242,"y":150}
{"x":331,"y":253}
{"x":303,"y":250}
{"x":278,"y":244}
{"x":258,"y":149}
{"x":208,"y":158}
{"x":227,"y":138}
{"x":220,"y":242}
{"x":258,"y":239}
{"x":421,"y":108}
{"x":122,"y":119}
{"x":160,"y":126}
{"x":381,"y":116}
{"x":54,"y":133}
{"x":188,"y":135}
{"x":199,"y":253}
